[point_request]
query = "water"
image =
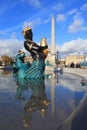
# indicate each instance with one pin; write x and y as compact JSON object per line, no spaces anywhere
{"x":38,"y":104}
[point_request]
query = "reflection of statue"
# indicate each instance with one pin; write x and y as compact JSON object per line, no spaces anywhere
{"x":37,"y":101}
{"x":5,"y":72}
{"x":38,"y":53}
{"x":21,"y":86}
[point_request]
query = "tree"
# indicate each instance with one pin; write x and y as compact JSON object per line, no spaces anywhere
{"x":7,"y":60}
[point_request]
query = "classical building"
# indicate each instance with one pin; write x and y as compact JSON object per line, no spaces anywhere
{"x":74,"y":59}
{"x":62,"y":62}
{"x":28,"y":59}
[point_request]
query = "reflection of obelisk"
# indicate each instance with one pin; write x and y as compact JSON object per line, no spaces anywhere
{"x":53,"y":42}
{"x":52,"y":96}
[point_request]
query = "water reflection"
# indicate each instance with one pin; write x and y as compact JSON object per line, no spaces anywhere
{"x":78,"y":118}
{"x":42,"y":104}
{"x":38,"y":100}
{"x":5,"y":72}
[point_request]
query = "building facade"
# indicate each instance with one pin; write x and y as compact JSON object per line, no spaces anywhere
{"x":74,"y":59}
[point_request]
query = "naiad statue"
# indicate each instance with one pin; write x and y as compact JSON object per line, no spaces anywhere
{"x":38,"y":53}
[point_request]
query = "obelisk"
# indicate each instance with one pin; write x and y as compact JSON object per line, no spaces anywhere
{"x":53,"y":52}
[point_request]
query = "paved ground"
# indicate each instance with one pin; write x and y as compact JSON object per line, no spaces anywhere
{"x":77,"y":71}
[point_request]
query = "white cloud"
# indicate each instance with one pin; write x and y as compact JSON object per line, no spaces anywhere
{"x":77,"y":25}
{"x":32,"y":23}
{"x":58,"y":7}
{"x":13,"y":35}
{"x":74,"y":47}
{"x":35,"y":3}
{"x":46,"y":20}
{"x":72,"y":11}
{"x":68,"y":80}
{"x":35,"y":22}
{"x":84,"y":7}
{"x":10,"y":47}
{"x":60,"y":17}
{"x":63,"y":16}
{"x":77,"y":15}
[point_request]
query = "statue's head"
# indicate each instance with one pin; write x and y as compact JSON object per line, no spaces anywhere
{"x":27,"y":33}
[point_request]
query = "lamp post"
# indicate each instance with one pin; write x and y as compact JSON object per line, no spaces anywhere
{"x":57,"y":54}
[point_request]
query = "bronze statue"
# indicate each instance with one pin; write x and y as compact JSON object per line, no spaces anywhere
{"x":38,"y":54}
{"x":36,"y":50}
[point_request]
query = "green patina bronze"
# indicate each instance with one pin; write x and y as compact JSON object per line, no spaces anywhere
{"x":38,"y":53}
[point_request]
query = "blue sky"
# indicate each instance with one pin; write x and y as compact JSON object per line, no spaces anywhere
{"x":70,"y":24}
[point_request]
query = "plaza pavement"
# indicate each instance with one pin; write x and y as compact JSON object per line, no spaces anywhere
{"x":78,"y":71}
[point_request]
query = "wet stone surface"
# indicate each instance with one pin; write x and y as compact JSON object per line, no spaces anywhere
{"x":48,"y":104}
